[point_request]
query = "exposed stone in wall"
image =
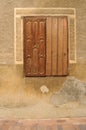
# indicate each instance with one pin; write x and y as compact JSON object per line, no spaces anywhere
{"x":72,"y":90}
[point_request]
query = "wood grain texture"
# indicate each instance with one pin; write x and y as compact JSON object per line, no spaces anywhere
{"x":54,"y":45}
{"x":65,"y":46}
{"x":48,"y":46}
{"x":27,"y":44}
{"x":60,"y":45}
{"x":42,"y":37}
{"x":34,"y":46}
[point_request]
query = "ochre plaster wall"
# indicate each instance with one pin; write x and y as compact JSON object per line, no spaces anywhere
{"x":7,"y":24}
{"x":15,"y":89}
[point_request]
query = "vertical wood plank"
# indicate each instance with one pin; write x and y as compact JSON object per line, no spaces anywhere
{"x":60,"y":45}
{"x":35,"y":62}
{"x":42,"y":28}
{"x":42,"y":66}
{"x":24,"y":46}
{"x":28,"y":27}
{"x":65,"y":46}
{"x":54,"y":45}
{"x":28,"y":65}
{"x":27,"y":47}
{"x":35,"y":31}
{"x":35,"y":48}
{"x":48,"y":46}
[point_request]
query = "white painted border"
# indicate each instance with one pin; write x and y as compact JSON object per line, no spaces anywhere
{"x":75,"y":38}
{"x":15,"y":36}
{"x":44,"y":8}
{"x":41,"y":14}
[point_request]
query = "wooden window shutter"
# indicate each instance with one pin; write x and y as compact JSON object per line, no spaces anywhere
{"x":34,"y":46}
{"x":56,"y":46}
{"x":45,"y":46}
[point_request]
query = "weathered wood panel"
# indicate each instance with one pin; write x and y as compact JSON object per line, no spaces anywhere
{"x":48,"y":46}
{"x":42,"y":52}
{"x":54,"y":46}
{"x":60,"y":45}
{"x":65,"y":46}
{"x":57,"y":46}
{"x":34,"y":46}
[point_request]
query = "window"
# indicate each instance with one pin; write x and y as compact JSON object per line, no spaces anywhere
{"x":45,"y":46}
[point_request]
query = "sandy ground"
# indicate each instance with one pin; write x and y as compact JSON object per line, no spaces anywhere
{"x":21,"y":97}
{"x":43,"y":110}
